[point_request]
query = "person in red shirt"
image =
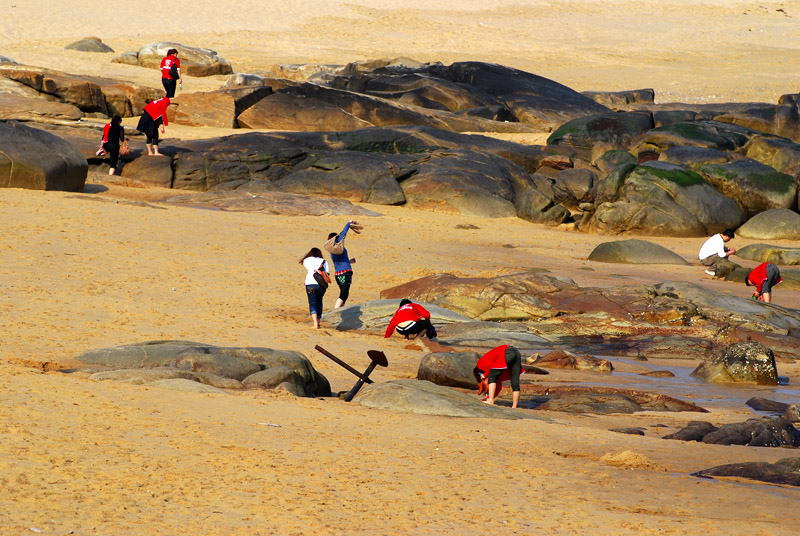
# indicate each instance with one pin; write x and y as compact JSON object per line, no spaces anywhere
{"x":153,"y":117}
{"x":167,"y":79}
{"x":113,"y":137}
{"x":765,"y":276}
{"x":410,"y":320}
{"x":493,"y":367}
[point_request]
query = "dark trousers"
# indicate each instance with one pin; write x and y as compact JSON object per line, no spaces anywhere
{"x":169,"y":86}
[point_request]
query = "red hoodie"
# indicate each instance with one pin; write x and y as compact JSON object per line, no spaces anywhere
{"x":166,"y":63}
{"x":158,"y":108}
{"x":408,"y":312}
{"x":759,"y":275}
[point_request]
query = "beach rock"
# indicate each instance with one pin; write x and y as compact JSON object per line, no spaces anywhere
{"x":694,"y":431}
{"x":354,"y":176}
{"x":201,"y":359}
{"x":781,"y":120}
{"x":708,"y":134}
{"x":657,"y":198}
{"x":219,"y":108}
{"x":13,"y":107}
{"x":150,"y":170}
{"x":194,"y":61}
{"x":756,"y":187}
{"x":239,"y":80}
{"x":89,"y":44}
{"x":377,"y":314}
{"x":785,"y":472}
{"x":426,"y":398}
{"x":765,"y":404}
{"x":615,"y":99}
{"x":189,"y":386}
{"x":768,"y":253}
{"x":658,"y":374}
{"x":599,"y":400}
{"x":37,"y":160}
{"x":89,"y":93}
{"x":764,"y":432}
{"x":695,"y":157}
{"x":629,"y":431}
{"x":747,"y":362}
{"x":141,"y":376}
{"x":731,"y":310}
{"x":6,"y":59}
{"x":779,"y":153}
{"x":775,"y":224}
{"x":560,"y":359}
{"x":245,"y":198}
{"x":450,"y":369}
{"x":574,"y":186}
{"x":634,"y":251}
{"x":792,"y":413}
{"x":488,"y":335}
{"x":619,"y":130}
{"x":276,"y":376}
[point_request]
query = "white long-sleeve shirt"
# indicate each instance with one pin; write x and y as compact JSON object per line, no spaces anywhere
{"x":312,"y":264}
{"x":713,"y":245}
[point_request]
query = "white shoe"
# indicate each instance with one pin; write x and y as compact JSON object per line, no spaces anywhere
{"x":711,"y":272}
{"x":100,"y":152}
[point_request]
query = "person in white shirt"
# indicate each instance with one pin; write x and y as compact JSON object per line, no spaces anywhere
{"x":715,"y":249}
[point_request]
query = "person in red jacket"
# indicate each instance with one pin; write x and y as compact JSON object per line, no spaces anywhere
{"x":153,"y":117}
{"x":494,"y":365}
{"x":167,"y":79}
{"x":765,"y":276}
{"x":410,"y":320}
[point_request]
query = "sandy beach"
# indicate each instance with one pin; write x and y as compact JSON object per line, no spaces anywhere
{"x":113,"y":266}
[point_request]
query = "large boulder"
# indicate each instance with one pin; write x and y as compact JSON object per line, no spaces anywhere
{"x":89,"y":44}
{"x":219,"y":108}
{"x":768,"y":253}
{"x":785,"y":472}
{"x":658,"y":198}
{"x":779,"y":153}
{"x":635,"y":251}
{"x":708,"y":134}
{"x":756,"y":187}
{"x":426,"y":398}
{"x":741,"y":362}
{"x":194,"y":61}
{"x":37,"y":160}
{"x":600,"y":400}
{"x":775,"y":224}
{"x":89,"y":93}
{"x":18,"y":108}
{"x":561,"y":359}
{"x":227,"y":362}
{"x":451,"y":369}
{"x":619,"y":130}
{"x":762,"y":432}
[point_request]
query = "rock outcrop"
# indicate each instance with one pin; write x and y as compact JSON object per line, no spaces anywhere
{"x":741,"y":362}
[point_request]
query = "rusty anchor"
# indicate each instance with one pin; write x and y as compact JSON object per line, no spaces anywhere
{"x":377,"y":357}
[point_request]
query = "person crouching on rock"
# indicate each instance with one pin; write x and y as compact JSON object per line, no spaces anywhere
{"x":153,"y":117}
{"x":765,"y":276}
{"x":494,"y":365}
{"x":410,"y":320}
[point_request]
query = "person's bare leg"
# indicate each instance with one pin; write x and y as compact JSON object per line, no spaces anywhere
{"x":155,"y":150}
{"x":492,"y":391}
{"x":514,"y":399}
{"x":338,"y":303}
{"x":766,"y":297}
{"x":111,"y":171}
{"x":149,"y":149}
{"x":315,"y":320}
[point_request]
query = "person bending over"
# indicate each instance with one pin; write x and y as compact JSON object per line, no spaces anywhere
{"x":765,"y":276}
{"x":496,"y":363}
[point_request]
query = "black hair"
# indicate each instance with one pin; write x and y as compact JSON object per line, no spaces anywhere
{"x":313,"y":252}
{"x":116,"y":120}
{"x":728,"y":232}
{"x":477,"y":373}
{"x":404,"y":301}
{"x":172,"y":51}
{"x":331,"y":235}
{"x":748,"y":282}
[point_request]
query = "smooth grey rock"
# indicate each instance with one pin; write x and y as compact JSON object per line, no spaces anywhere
{"x":775,"y":224}
{"x":635,"y":251}
{"x":89,"y":44}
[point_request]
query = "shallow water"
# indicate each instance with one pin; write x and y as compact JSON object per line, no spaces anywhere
{"x":683,"y":386}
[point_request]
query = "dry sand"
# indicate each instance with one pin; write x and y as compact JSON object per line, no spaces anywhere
{"x":91,"y":270}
